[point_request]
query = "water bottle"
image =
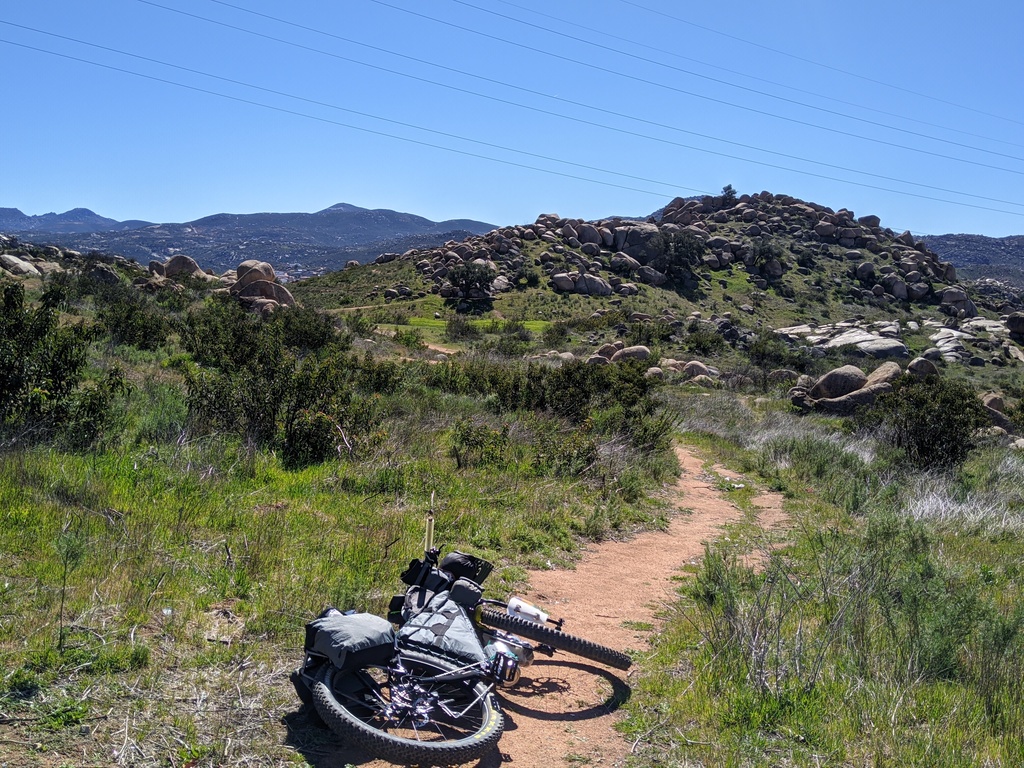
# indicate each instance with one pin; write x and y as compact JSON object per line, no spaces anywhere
{"x":524,"y":610}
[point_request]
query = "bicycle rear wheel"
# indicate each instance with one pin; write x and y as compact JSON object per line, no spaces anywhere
{"x":410,"y":719}
{"x":563,"y":641}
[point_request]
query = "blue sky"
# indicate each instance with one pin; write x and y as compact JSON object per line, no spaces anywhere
{"x":501,"y":110}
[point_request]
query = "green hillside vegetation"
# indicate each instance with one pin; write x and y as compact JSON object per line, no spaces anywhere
{"x":184,"y":483}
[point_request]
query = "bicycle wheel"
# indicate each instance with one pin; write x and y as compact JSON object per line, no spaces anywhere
{"x":407,"y":719}
{"x":555,"y":638}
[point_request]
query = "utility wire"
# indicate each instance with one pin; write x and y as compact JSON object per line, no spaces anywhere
{"x":409,"y":125}
{"x":296,"y":113}
{"x":685,"y":92}
{"x":578,"y":120}
{"x":718,"y":66}
{"x":846,"y":72}
{"x":755,"y":91}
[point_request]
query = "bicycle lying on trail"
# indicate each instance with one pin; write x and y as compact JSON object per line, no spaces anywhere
{"x":426,"y":694}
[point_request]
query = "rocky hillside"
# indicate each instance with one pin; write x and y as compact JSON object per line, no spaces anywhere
{"x":825,"y":281}
{"x":302,"y":243}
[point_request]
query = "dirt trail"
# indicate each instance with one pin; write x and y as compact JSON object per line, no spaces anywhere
{"x":559,"y":714}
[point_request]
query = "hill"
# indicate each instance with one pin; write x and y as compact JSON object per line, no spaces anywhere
{"x":315,"y":242}
{"x":977,"y":256}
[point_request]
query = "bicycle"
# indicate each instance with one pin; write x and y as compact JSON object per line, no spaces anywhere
{"x":426,"y":694}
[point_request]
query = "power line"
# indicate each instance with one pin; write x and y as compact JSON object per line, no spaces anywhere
{"x":415,"y":127}
{"x":719,"y":66}
{"x":578,"y":120}
{"x":720,"y":81}
{"x":372,"y":131}
{"x":818,"y":63}
{"x":691,"y":93}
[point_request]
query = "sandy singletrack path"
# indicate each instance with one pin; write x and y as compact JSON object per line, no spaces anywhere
{"x":563,"y":710}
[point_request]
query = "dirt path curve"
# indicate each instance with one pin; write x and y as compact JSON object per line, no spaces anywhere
{"x":560,"y":713}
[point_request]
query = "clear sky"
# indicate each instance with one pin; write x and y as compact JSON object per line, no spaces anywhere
{"x":500,"y":110}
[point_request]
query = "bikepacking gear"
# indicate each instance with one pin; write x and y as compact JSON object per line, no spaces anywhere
{"x":351,"y":641}
{"x":426,"y":696}
{"x":443,"y":626}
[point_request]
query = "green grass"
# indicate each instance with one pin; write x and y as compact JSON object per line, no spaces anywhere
{"x":866,"y":639}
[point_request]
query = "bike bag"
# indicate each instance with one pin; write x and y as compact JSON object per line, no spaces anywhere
{"x":351,"y":641}
{"x":461,"y":565}
{"x":466,"y":593}
{"x":443,"y":626}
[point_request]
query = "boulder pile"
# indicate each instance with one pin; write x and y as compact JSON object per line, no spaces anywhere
{"x":253,"y":282}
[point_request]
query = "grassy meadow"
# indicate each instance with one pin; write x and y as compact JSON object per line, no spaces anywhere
{"x":183,"y":485}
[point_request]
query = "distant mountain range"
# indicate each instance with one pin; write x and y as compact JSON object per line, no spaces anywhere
{"x":978,"y":256}
{"x":77,"y":220}
{"x":316,"y":241}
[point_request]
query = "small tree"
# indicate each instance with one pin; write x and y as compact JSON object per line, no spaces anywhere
{"x":728,"y":196}
{"x":472,"y":277}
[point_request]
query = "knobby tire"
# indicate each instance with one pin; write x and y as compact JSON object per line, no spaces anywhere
{"x":340,"y":698}
{"x":555,"y":638}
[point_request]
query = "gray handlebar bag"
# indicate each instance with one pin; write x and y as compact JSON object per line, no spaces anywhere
{"x":352,"y":640}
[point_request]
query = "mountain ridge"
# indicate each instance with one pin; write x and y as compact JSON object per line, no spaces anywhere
{"x":324,"y":239}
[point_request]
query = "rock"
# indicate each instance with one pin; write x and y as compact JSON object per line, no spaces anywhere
{"x":922,"y":367}
{"x":103,"y":273}
{"x":838,"y":382}
{"x":999,"y":419}
{"x":598,"y":360}
{"x":917,"y":291}
{"x":994,"y":401}
{"x":624,"y":264}
{"x":651,"y":276}
{"x":592,"y":285}
{"x":1015,"y":323}
{"x":866,"y":271}
{"x":638,"y":352}
{"x":847,"y":404}
{"x":885,"y":373}
{"x":563,"y":282}
{"x":501,"y":284}
{"x":17,"y":266}
{"x":607,"y":351}
{"x":881,"y":348}
{"x":654,"y":372}
{"x":264,"y":289}
{"x":696,"y":368}
{"x":588,"y":233}
{"x":181,"y":265}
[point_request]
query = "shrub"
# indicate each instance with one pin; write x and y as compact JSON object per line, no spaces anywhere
{"x":305,"y":330}
{"x":42,"y":363}
{"x":555,"y":334}
{"x":459,"y":328}
{"x":932,"y":420}
{"x":129,"y":317}
{"x":702,"y":340}
{"x":312,"y":437}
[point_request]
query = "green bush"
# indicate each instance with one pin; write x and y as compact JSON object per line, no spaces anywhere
{"x":932,"y":420}
{"x":42,"y":363}
{"x":461,"y":328}
{"x":130,"y":317}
